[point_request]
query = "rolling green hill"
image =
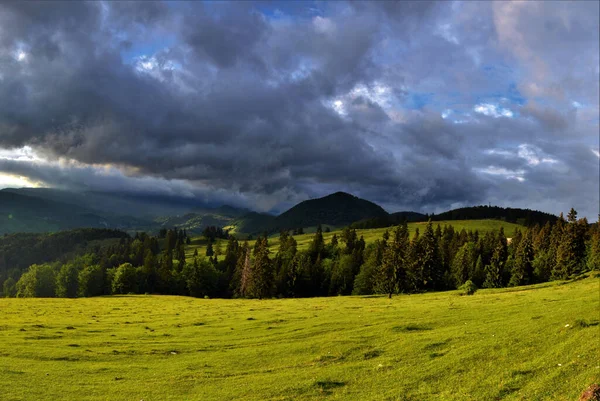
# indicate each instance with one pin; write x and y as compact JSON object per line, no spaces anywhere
{"x":527,"y":343}
{"x":369,"y":235}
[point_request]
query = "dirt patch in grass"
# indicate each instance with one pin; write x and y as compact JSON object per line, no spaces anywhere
{"x":592,"y":393}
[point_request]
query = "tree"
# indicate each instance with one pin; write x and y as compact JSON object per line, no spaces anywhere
{"x":261,"y":280}
{"x":209,"y":249}
{"x":9,"y":288}
{"x":522,"y":271}
{"x":67,"y":281}
{"x":429,"y":264}
{"x":91,"y":281}
{"x":148,"y":276}
{"x":364,"y":282}
{"x":317,"y":245}
{"x":570,"y":253}
{"x":240,"y":279}
{"x":593,"y":256}
{"x":463,"y":263}
{"x":124,"y":279}
{"x":201,"y":278}
{"x":391,"y":274}
{"x":342,"y":276}
{"x":38,"y":281}
{"x":494,"y":270}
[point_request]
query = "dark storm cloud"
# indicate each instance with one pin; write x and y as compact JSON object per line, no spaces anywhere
{"x":269,"y":103}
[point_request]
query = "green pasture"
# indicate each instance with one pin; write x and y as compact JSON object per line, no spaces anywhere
{"x":527,"y":343}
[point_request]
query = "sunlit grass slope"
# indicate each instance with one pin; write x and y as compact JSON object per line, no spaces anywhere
{"x":369,"y":235}
{"x":530,"y":343}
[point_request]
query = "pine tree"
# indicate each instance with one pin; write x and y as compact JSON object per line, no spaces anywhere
{"x":246,"y":273}
{"x":479,"y":273}
{"x":462,"y":264}
{"x":494,"y":270}
{"x":593,"y":255}
{"x":209,"y":249}
{"x":522,"y":269}
{"x":317,"y":245}
{"x":430,"y":266}
{"x":570,"y":252}
{"x":390,"y":274}
{"x":262,"y":272}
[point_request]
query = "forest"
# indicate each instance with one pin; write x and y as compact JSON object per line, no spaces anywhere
{"x":437,"y":259}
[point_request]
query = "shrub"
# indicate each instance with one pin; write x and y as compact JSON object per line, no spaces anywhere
{"x":468,"y":288}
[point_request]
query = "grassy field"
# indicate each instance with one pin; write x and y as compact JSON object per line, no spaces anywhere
{"x":370,"y":235}
{"x":530,"y":343}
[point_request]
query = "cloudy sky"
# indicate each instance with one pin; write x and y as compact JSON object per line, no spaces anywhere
{"x":417,"y":106}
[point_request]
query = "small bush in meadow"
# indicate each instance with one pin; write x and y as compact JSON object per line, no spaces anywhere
{"x":468,"y":288}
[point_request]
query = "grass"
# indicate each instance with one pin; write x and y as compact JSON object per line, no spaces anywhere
{"x":495,"y":345}
{"x":369,"y":235}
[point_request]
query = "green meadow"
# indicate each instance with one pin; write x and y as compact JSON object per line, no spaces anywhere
{"x":369,"y":235}
{"x":526,"y":343}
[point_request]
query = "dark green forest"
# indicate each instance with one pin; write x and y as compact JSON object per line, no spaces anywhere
{"x":92,"y":262}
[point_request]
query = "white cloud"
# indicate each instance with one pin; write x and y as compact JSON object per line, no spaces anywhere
{"x":596,"y":152}
{"x":531,"y":155}
{"x":504,"y":172}
{"x":22,"y":154}
{"x":17,"y":181}
{"x":323,"y":25}
{"x":492,"y":110}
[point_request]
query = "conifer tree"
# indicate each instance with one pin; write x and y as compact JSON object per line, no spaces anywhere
{"x":429,"y":264}
{"x":522,"y":269}
{"x":391,"y":273}
{"x":209,"y":249}
{"x":494,"y":270}
{"x":593,"y":255}
{"x":462,"y":264}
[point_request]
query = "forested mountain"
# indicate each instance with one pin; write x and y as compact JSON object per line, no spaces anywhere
{"x":50,"y":210}
{"x":338,"y":209}
{"x":22,"y":213}
{"x":390,"y":220}
{"x":525,"y":217}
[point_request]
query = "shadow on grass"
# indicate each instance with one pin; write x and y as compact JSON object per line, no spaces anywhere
{"x":411,"y":327}
{"x":327,"y":386}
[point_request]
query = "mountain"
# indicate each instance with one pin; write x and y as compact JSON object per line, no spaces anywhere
{"x":389,"y":220}
{"x":525,"y":217}
{"x":338,"y":209}
{"x":48,"y":210}
{"x":22,"y":213}
{"x":250,"y":223}
{"x":144,"y":207}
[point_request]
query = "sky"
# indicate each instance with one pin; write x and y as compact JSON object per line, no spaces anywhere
{"x":422,"y":106}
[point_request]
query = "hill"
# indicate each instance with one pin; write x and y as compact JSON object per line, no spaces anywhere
{"x":23,"y":213}
{"x":392,"y":219}
{"x":338,"y":209}
{"x":525,"y":217}
{"x":369,"y":235}
{"x":526,"y":343}
{"x":19,"y":251}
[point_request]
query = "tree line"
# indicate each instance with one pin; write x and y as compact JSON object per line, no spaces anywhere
{"x":439,"y":258}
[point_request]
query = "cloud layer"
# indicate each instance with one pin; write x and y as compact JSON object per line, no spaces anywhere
{"x":415,"y":105}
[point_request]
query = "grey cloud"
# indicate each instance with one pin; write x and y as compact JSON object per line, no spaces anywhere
{"x":236,"y":101}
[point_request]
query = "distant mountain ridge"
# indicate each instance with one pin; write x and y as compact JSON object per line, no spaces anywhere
{"x":49,"y":210}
